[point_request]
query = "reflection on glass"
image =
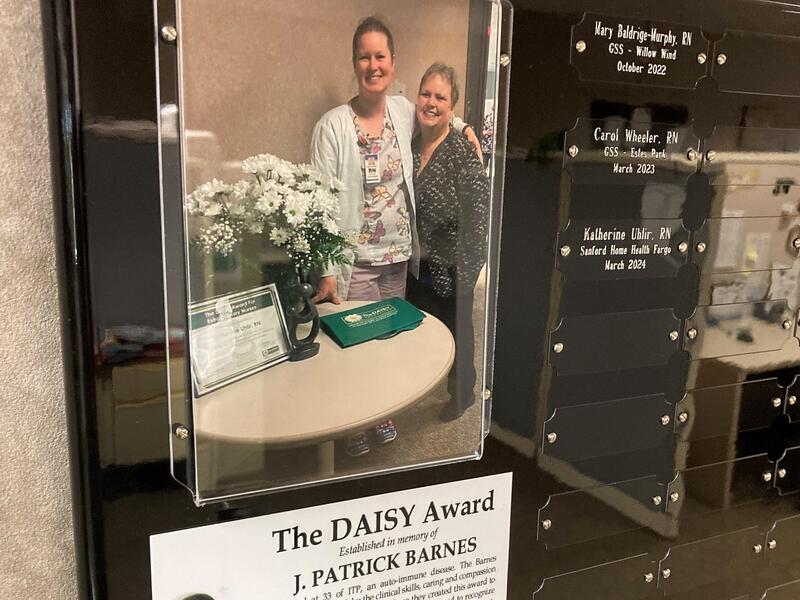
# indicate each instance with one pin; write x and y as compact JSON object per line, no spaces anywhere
{"x":363,"y":182}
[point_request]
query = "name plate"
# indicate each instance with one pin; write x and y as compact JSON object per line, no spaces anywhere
{"x":753,"y":156}
{"x":757,"y":63}
{"x":612,"y":342}
{"x":785,"y":532}
{"x":602,"y":250}
{"x":622,"y":50}
{"x":614,"y":151}
{"x":790,"y":464}
{"x":629,"y":425}
{"x":741,"y":245}
{"x":584,"y":515}
{"x":691,"y":560}
{"x":620,"y":579}
{"x":236,"y":335}
{"x":737,"y":329}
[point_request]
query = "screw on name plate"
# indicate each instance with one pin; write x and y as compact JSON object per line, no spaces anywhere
{"x":169,"y":34}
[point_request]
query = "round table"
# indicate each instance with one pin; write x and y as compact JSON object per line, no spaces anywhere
{"x":336,"y":393}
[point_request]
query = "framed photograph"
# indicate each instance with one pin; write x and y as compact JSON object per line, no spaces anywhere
{"x":236,"y":335}
{"x":363,"y":169}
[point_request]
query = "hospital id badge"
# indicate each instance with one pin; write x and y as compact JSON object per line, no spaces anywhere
{"x":372,"y":168}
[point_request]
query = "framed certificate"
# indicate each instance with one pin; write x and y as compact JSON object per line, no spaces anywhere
{"x":236,"y":335}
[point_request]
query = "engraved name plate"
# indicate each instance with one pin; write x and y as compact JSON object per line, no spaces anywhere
{"x":622,"y":50}
{"x":603,"y":249}
{"x":756,"y":63}
{"x":615,"y":151}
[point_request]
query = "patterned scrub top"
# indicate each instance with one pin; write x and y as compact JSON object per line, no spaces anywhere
{"x":452,"y":199}
{"x":385,"y":233}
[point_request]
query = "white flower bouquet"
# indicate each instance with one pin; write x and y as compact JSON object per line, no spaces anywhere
{"x":295,"y":205}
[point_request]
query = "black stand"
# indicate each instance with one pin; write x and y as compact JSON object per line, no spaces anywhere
{"x":299,"y":314}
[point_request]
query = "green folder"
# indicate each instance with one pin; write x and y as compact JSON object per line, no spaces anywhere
{"x":372,"y":321}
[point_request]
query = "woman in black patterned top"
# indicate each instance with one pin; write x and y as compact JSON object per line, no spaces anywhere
{"x":452,"y":194}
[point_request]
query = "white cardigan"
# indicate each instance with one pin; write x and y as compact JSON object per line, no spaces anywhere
{"x":334,"y":151}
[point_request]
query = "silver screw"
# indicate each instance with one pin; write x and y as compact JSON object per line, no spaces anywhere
{"x":792,"y":400}
{"x":692,"y":333}
{"x":565,"y":250}
{"x":673,"y":335}
{"x":683,"y":417}
{"x":796,"y":242}
{"x":683,"y":247}
{"x":552,"y":437}
{"x":666,"y":573}
{"x":558,"y":348}
{"x":722,"y":59}
{"x":547,"y":524}
{"x":169,"y":34}
{"x":665,"y":420}
{"x":573,"y":151}
{"x":776,"y":402}
{"x":181,"y":432}
{"x":657,"y":500}
{"x":711,"y":155}
{"x":505,"y":60}
{"x":487,"y":394}
{"x":772,"y":544}
{"x":691,"y":154}
{"x":767,"y":476}
{"x":758,"y":548}
{"x":701,"y":247}
{"x":701,"y":58}
{"x":648,"y":578}
{"x":782,"y":473}
{"x":787,"y":324}
{"x":580,"y":46}
{"x":674,"y":497}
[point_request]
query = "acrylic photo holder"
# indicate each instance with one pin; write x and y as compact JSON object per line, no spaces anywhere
{"x":255,"y":215}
